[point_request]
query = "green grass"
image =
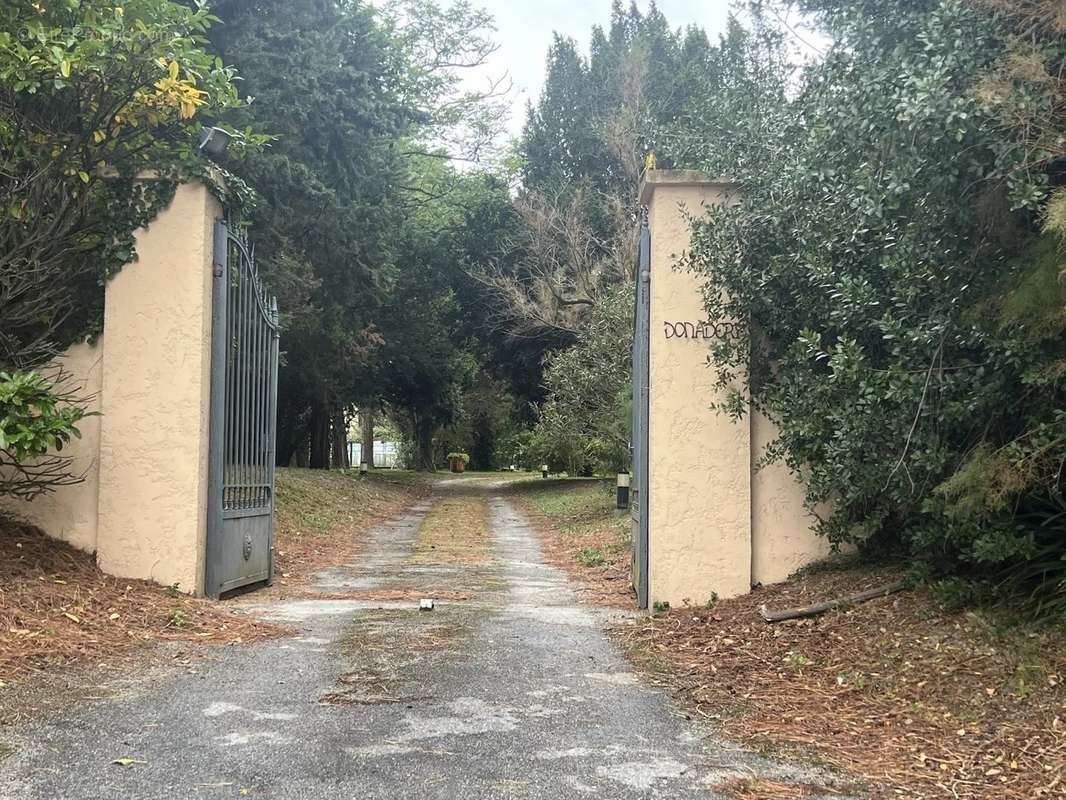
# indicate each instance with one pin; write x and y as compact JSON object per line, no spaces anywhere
{"x":591,"y":557}
{"x":474,"y":476}
{"x":315,"y":501}
{"x":569,"y":499}
{"x":582,"y":513}
{"x":398,"y":477}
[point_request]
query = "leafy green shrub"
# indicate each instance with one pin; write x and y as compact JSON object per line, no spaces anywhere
{"x":1040,"y":577}
{"x":37,"y":419}
{"x":583,"y":425}
{"x":906,"y":311}
{"x":91,"y":94}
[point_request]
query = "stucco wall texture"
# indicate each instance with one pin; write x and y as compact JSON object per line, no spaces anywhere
{"x":781,"y":537}
{"x":716,"y":526}
{"x":156,"y":390}
{"x":142,"y":507}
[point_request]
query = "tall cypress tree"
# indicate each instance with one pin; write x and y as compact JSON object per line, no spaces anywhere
{"x":326,"y":85}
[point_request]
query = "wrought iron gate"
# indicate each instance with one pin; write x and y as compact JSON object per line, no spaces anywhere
{"x":639,"y":489}
{"x":244,"y":380}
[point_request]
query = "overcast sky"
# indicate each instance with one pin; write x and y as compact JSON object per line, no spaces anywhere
{"x":524,"y":32}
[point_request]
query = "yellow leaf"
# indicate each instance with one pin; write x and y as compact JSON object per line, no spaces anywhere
{"x":84,"y":177}
{"x":60,"y":582}
{"x":99,"y":136}
{"x":113,"y":616}
{"x":174,"y":70}
{"x":64,"y":68}
{"x":71,"y":617}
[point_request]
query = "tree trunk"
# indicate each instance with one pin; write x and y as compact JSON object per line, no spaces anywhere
{"x":291,"y":444}
{"x":423,"y":429}
{"x":320,"y":438}
{"x":340,"y":439}
{"x":366,"y":425}
{"x":286,"y":452}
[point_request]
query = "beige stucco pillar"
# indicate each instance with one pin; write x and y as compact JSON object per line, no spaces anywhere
{"x":699,"y":462}
{"x":155,"y":385}
{"x":716,"y":524}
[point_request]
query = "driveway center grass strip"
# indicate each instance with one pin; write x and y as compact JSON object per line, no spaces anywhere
{"x":388,"y":653}
{"x":455,"y":531}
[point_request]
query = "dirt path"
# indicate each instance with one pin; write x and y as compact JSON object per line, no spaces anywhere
{"x":514,"y":692}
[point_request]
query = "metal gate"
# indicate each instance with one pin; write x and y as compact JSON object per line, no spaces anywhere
{"x":641,"y":341}
{"x":244,"y":380}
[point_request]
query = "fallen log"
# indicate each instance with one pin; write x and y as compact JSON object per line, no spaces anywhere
{"x":821,"y":608}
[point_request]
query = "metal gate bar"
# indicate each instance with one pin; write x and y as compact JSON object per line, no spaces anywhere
{"x":641,"y":376}
{"x":244,"y":374}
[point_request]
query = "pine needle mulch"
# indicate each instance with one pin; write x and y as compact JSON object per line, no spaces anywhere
{"x":58,"y":610}
{"x":761,"y":789}
{"x":918,"y":701}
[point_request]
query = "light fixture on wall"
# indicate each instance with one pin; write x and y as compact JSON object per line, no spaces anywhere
{"x":213,"y":141}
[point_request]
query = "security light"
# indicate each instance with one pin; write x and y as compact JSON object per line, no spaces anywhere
{"x":212,"y":141}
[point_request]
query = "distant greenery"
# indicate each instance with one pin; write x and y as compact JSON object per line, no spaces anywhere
{"x":584,"y":422}
{"x":583,"y":151}
{"x":363,"y":224}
